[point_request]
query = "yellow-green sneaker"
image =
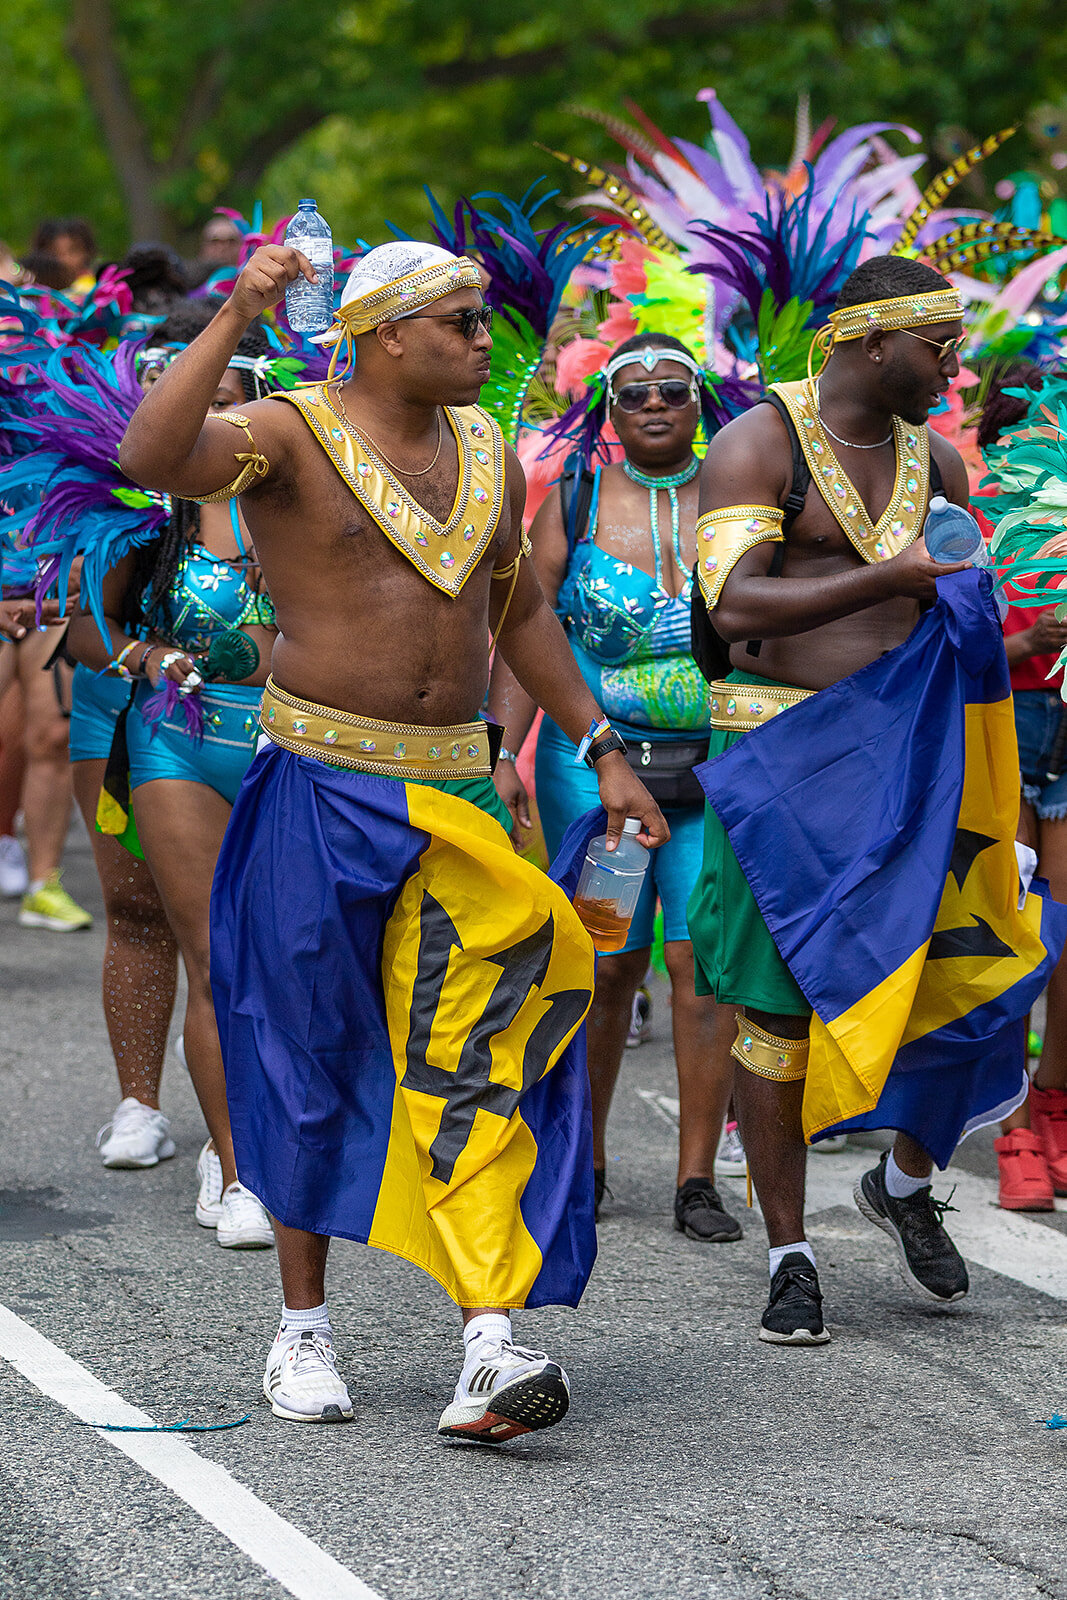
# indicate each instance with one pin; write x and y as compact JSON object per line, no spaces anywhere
{"x":50,"y":906}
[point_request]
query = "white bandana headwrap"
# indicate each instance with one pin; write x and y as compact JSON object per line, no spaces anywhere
{"x":393,"y":281}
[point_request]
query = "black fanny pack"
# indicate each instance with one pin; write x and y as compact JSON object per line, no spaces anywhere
{"x":666,"y":769}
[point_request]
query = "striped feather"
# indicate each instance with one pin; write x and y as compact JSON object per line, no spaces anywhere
{"x":943,"y":185}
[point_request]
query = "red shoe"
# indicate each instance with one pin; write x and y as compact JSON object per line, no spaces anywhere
{"x":1048,"y":1118}
{"x":1025,"y":1184}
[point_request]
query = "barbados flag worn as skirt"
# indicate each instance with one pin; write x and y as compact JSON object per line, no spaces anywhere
{"x":399,"y":997}
{"x":875,"y":824}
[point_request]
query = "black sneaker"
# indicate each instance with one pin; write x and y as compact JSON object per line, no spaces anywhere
{"x":794,"y":1310}
{"x":929,"y":1261}
{"x":700,"y":1214}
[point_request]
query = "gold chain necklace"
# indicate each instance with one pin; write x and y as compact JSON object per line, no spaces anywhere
{"x":405,"y":472}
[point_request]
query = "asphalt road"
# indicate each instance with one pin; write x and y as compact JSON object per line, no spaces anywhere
{"x":905,"y":1459}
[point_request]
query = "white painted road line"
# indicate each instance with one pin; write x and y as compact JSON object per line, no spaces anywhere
{"x":1005,"y":1241}
{"x":284,"y":1553}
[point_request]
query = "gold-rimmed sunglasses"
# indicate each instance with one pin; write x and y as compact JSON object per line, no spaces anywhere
{"x":944,"y":347}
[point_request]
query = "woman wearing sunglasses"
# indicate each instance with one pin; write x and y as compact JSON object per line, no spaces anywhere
{"x":614,"y":552}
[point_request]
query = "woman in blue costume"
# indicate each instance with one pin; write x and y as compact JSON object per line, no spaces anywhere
{"x":189,"y":742}
{"x":621,"y":585}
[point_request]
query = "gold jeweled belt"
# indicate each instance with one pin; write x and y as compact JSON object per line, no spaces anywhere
{"x":740,"y":707}
{"x":392,"y":749}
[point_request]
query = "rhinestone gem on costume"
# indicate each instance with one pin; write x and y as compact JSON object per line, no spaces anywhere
{"x":447,"y":558}
{"x":746,"y":1045}
{"x":331,"y":736}
{"x":472,"y":751}
{"x":434,"y":752}
{"x":481,"y":496}
{"x":363,"y":468}
{"x":731,"y":707}
{"x":400,"y":749}
{"x":879,"y":548}
{"x":468,"y":532}
{"x":911,"y":485}
{"x":368,"y":746}
{"x":817,"y":447}
{"x":752,"y":527}
{"x":481,"y":457}
{"x":454,"y":752}
{"x":756,"y":708}
{"x":300,"y":727}
{"x":850,"y":510}
{"x":477,"y":430}
{"x":715,"y":705}
{"x":839,"y":490}
{"x":711,"y":565}
{"x":420,"y":538}
{"x":336,"y":433}
{"x":907,"y":505}
{"x":215,"y":719}
{"x":393,"y":508}
{"x":783,"y":1061}
{"x":270,"y":713}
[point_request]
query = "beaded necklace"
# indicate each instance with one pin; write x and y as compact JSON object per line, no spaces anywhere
{"x":672,"y":484}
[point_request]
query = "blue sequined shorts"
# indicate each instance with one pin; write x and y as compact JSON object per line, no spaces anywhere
{"x":231,"y":727}
{"x":564,"y":791}
{"x":94,"y":711}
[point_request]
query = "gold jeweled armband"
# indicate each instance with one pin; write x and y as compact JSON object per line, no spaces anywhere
{"x":723,"y":538}
{"x":253,"y":464}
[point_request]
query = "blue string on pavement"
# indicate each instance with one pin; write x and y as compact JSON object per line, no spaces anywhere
{"x":1055,"y":1421}
{"x":185,"y":1426}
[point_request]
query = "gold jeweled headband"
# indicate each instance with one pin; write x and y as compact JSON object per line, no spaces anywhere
{"x":399,"y":299}
{"x":904,"y":311}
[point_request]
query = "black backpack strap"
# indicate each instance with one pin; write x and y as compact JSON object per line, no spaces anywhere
{"x":576,"y":486}
{"x":937,"y":482}
{"x":794,"y":500}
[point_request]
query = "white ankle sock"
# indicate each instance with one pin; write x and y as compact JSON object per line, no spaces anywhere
{"x":314,"y":1320}
{"x":489,"y":1328}
{"x":901,"y":1185}
{"x":778,"y":1252}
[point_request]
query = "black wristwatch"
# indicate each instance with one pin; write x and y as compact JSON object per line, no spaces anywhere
{"x":600,"y":747}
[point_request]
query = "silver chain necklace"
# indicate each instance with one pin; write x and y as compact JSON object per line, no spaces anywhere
{"x":848,"y":442}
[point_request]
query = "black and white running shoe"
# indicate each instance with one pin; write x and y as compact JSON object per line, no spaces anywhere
{"x":508,"y":1392}
{"x":700,"y":1214}
{"x":929,"y":1261}
{"x":794,"y":1310}
{"x":302,"y":1382}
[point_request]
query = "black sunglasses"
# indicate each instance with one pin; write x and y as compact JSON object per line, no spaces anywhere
{"x":467,"y":321}
{"x":674,"y":392}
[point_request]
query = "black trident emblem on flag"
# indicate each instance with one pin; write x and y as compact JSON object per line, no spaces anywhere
{"x":468,"y":1088}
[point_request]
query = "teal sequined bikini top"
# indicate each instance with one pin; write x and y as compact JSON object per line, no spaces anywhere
{"x":210,"y":596}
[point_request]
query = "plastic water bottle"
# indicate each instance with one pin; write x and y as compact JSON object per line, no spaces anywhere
{"x":309,"y":306}
{"x":609,"y":887}
{"x":952,"y":535}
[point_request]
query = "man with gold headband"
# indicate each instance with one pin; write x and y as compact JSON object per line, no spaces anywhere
{"x":399,"y":995}
{"x":807,"y":589}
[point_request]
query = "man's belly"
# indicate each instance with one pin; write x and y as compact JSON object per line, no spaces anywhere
{"x":392,"y":684}
{"x":824,"y":655}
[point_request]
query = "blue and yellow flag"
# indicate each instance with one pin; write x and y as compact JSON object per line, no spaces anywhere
{"x":399,"y":1000}
{"x":875,"y":823}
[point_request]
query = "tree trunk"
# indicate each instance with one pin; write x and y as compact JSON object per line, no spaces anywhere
{"x":91,"y":40}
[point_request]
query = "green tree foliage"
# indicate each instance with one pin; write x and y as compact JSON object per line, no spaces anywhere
{"x":145,"y":113}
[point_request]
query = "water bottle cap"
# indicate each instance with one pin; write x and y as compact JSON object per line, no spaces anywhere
{"x":938,"y":503}
{"x":632,"y":825}
{"x":304,"y":203}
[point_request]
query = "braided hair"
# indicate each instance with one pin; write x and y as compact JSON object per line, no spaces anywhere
{"x":158,"y":564}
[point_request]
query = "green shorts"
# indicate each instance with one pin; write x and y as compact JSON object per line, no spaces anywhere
{"x":734,"y":955}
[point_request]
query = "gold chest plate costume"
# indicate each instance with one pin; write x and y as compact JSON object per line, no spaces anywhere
{"x":445,"y":553}
{"x":725,"y":535}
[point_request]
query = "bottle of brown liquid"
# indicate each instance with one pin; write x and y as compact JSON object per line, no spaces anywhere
{"x":610,"y":886}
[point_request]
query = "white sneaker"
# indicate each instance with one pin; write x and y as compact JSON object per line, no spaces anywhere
{"x":209,"y":1195}
{"x":730,"y":1160}
{"x":14,"y":875}
{"x":640,"y":1029}
{"x":243,"y":1225}
{"x":831,"y":1146}
{"x":506,"y":1392}
{"x":179,"y":1050}
{"x":136,"y":1136}
{"x":302,"y":1382}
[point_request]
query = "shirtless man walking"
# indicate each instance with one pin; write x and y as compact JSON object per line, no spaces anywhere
{"x":394,"y":1076}
{"x":855,"y":571}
